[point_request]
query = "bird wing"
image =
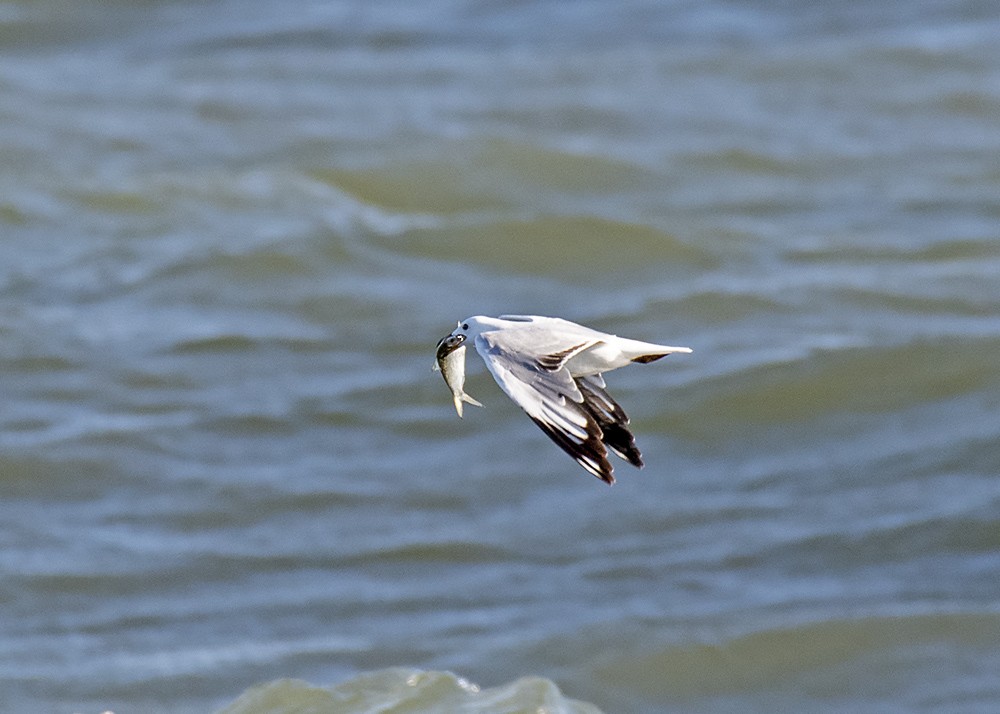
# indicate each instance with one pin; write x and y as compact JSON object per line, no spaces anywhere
{"x":529,"y":365}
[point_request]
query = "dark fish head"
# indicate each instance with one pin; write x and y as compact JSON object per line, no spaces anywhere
{"x":449,"y":344}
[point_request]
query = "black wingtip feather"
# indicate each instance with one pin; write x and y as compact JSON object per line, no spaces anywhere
{"x":611,"y":419}
{"x":590,"y":453}
{"x":620,"y":440}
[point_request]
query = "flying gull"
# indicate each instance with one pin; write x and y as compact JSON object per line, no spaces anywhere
{"x":552,"y":369}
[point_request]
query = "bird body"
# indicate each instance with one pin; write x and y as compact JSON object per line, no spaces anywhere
{"x":552,"y":369}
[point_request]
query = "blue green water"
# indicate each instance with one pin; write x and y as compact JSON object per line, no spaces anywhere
{"x":232,"y":234}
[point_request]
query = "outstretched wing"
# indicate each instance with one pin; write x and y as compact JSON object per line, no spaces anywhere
{"x":577,"y":414}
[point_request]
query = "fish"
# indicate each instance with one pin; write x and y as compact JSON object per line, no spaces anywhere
{"x":451,"y":364}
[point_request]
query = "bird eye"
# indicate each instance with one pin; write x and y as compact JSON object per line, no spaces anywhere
{"x":465,"y":326}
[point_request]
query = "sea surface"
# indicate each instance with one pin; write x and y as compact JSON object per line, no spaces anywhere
{"x":231,"y":234}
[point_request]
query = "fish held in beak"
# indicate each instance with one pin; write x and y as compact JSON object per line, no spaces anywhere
{"x":451,"y":363}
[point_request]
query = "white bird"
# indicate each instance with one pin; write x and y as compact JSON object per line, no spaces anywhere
{"x":552,"y":369}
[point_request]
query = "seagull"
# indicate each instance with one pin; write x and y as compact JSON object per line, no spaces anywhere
{"x":552,"y":369}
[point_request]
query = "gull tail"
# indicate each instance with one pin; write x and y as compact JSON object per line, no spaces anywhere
{"x":459,"y":398}
{"x":655,"y":352}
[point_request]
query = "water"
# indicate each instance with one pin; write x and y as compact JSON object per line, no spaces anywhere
{"x":234,"y":232}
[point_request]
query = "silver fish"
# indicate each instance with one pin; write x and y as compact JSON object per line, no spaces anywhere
{"x":451,"y":363}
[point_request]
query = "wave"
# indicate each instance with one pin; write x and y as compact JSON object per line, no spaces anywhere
{"x":854,"y":380}
{"x":833,"y":656}
{"x":411,"y":690}
{"x":553,"y":245}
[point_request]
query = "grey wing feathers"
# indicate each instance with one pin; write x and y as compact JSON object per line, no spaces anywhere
{"x":577,"y":414}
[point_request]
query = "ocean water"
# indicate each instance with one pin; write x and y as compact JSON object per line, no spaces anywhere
{"x":232,"y":234}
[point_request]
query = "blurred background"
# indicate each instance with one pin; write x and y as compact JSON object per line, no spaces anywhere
{"x":231,"y":234}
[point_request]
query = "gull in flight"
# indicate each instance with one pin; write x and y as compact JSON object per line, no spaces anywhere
{"x":552,"y":369}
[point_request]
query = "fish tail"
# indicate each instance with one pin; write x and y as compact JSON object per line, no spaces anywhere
{"x":459,"y":399}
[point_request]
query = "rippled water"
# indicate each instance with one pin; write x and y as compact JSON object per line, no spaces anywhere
{"x":233,"y":233}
